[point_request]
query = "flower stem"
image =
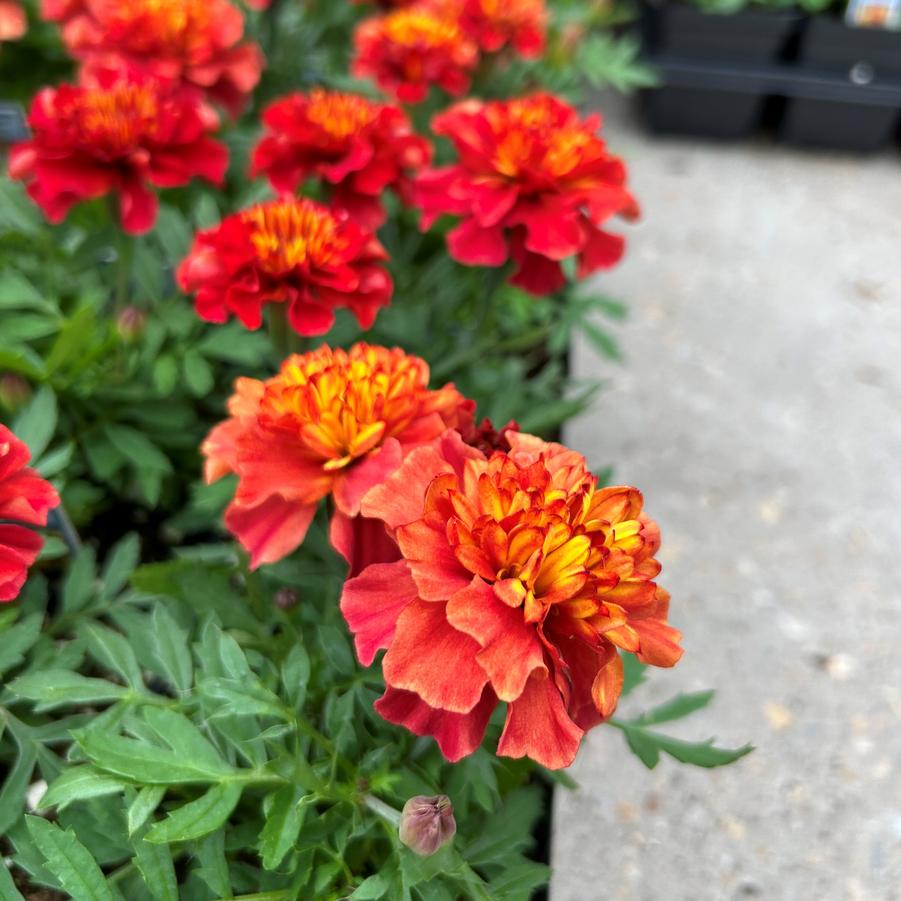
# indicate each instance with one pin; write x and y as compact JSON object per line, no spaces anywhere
{"x":59,"y":520}
{"x":377,"y":805}
{"x":279,"y":332}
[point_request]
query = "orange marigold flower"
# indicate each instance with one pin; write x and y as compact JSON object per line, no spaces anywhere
{"x":358,"y":147}
{"x":410,"y":49}
{"x":190,"y":43}
{"x":25,"y":501}
{"x":519,"y":581}
{"x":534,"y":182}
{"x":120,"y":137}
{"x":495,"y":24}
{"x":289,"y":251}
{"x":13,"y":21}
{"x":332,"y":422}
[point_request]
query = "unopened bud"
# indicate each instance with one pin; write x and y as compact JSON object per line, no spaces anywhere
{"x":130,"y":324}
{"x":15,"y":392}
{"x":427,"y":824}
{"x":285,"y":598}
{"x":571,"y":38}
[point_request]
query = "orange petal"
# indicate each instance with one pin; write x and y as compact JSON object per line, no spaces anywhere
{"x":607,"y":686}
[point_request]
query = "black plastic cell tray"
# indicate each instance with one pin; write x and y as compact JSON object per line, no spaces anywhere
{"x":776,"y":79}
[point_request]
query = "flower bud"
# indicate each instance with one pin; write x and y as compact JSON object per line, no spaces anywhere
{"x":427,"y":824}
{"x":15,"y":392}
{"x":286,"y":598}
{"x":130,"y":324}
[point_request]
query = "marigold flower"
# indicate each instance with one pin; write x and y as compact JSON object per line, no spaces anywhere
{"x":188,"y":43}
{"x":534,"y":182}
{"x":357,"y":146}
{"x":412,"y":48}
{"x":13,"y":21}
{"x":118,"y":138}
{"x":289,"y":251}
{"x":61,"y":10}
{"x":25,"y":500}
{"x":332,"y":422}
{"x":518,"y":582}
{"x":495,"y":24}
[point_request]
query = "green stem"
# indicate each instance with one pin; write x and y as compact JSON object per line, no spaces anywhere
{"x":386,"y":811}
{"x":124,"y":252}
{"x":279,"y":331}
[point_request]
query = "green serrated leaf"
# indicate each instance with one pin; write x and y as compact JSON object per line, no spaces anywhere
{"x":296,"y":675}
{"x":12,"y":795}
{"x":170,"y":644}
{"x":78,"y":585}
{"x":120,"y":564}
{"x":54,"y":688}
{"x":79,"y":783}
{"x":154,"y":862}
{"x":8,"y":890}
{"x":146,"y":801}
{"x":679,"y":706}
{"x":36,"y":424}
{"x":17,"y":640}
{"x":702,"y":753}
{"x":69,"y":861}
{"x":372,"y":888}
{"x":198,"y":374}
{"x":144,"y":763}
{"x":197,"y":818}
{"x":185,"y":739}
{"x":112,"y":650}
{"x":284,"y":819}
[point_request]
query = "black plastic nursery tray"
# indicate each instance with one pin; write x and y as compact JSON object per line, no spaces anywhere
{"x":724,"y":101}
{"x":833,"y":85}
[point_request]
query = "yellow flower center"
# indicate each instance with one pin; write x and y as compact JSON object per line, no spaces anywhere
{"x":340,"y":115}
{"x":116,"y":119}
{"x":345,"y":403}
{"x":531,"y":139}
{"x":290,"y":233}
{"x":420,"y":29}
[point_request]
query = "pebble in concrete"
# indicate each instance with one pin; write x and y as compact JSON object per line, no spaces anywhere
{"x":759,"y":409}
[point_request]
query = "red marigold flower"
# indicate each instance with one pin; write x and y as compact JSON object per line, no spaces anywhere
{"x":410,"y":49}
{"x":534,"y":182}
{"x":25,"y":500}
{"x":518,"y":582}
{"x":289,"y":251}
{"x":13,"y":21}
{"x":357,"y":146}
{"x":495,"y":24}
{"x":61,"y":10}
{"x":119,"y":138}
{"x":188,"y":43}
{"x":331,"y":422}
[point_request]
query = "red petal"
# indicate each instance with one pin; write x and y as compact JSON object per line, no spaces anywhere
{"x":457,"y":734}
{"x":271,"y":530}
{"x":511,"y":650}
{"x":538,"y":726}
{"x":371,"y":604}
{"x":435,"y":568}
{"x":476,"y":246}
{"x":431,"y":658}
{"x":362,"y":476}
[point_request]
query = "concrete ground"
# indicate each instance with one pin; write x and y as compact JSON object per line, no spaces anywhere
{"x":759,"y":410}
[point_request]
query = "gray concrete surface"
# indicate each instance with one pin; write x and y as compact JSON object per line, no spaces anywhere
{"x":760,"y":412}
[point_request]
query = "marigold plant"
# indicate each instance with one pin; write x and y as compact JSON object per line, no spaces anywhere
{"x":25,"y":501}
{"x":332,"y":422}
{"x":121,"y":137}
{"x":190,"y":43}
{"x":534,"y":182}
{"x":359,"y":148}
{"x":519,"y":581}
{"x":496,"y":24}
{"x":293,"y":252}
{"x":414,"y":48}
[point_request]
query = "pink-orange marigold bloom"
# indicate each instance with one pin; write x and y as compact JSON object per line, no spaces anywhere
{"x":188,"y":43}
{"x":295,"y":252}
{"x":495,"y":24}
{"x":412,"y":48}
{"x":519,"y":581}
{"x":61,"y":10}
{"x":25,"y":500}
{"x":13,"y":21}
{"x":356,"y":146}
{"x":534,"y":182}
{"x":332,"y":422}
{"x":122,"y":137}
